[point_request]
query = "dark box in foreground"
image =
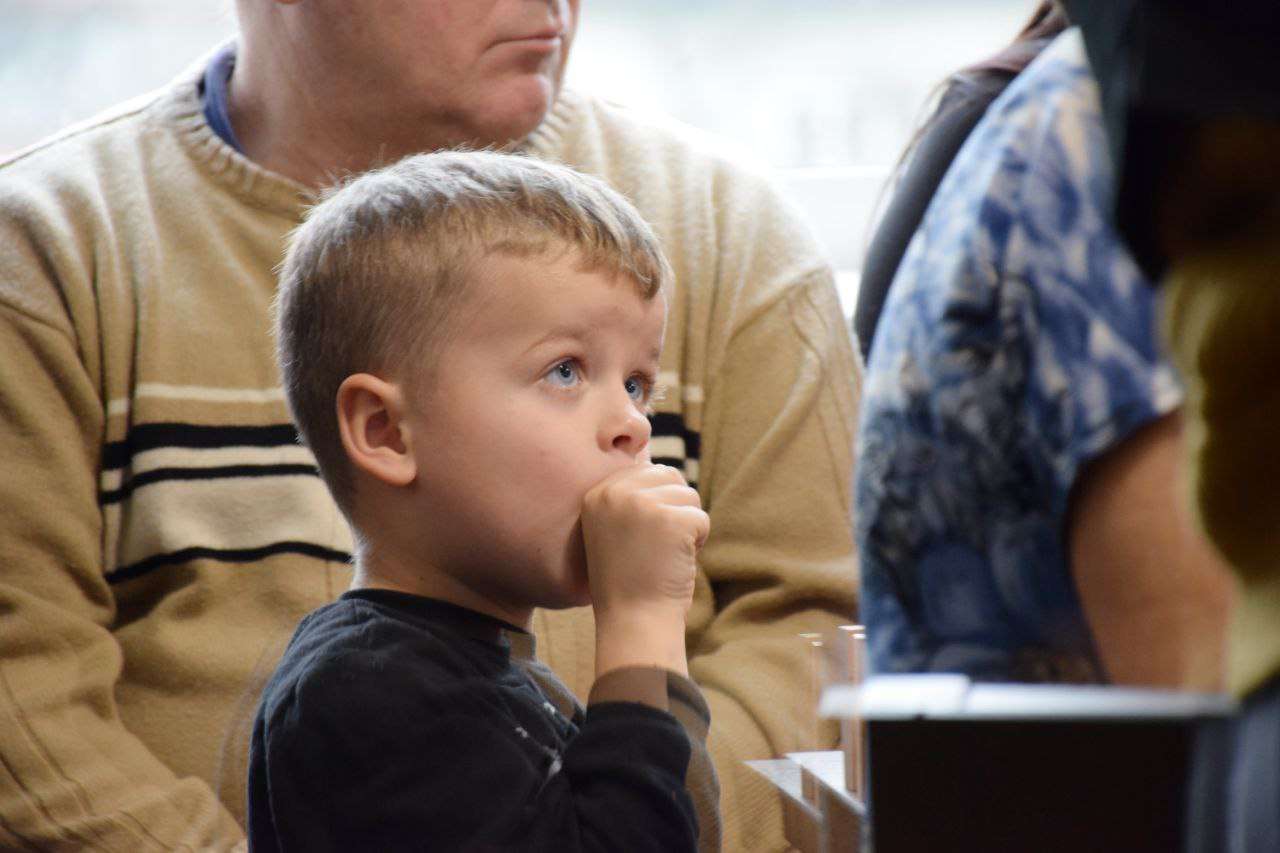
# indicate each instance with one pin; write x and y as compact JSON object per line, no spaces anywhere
{"x":961,"y":766}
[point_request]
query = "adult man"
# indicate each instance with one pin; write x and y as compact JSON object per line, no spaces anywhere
{"x":161,"y":532}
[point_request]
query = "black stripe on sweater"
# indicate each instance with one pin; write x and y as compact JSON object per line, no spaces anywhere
{"x":158,"y":475}
{"x":668,"y":423}
{"x":226,"y":555}
{"x":118,"y":454}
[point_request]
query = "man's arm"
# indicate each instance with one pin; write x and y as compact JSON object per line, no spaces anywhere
{"x":1154,"y":592}
{"x":69,"y":771}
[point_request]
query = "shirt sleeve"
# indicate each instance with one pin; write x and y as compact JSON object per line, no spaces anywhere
{"x":70,"y":772}
{"x":667,"y":691}
{"x":1095,"y":372}
{"x":377,"y":758}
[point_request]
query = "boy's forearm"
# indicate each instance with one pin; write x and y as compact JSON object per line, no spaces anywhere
{"x":641,"y":638}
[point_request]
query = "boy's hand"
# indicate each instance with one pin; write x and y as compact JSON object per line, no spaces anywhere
{"x":642,"y":527}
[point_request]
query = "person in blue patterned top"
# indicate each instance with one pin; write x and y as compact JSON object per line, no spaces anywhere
{"x":1016,"y":497}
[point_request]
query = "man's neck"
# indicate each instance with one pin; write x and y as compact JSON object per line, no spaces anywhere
{"x":314,"y":132}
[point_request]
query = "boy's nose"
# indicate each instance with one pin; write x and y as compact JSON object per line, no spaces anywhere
{"x":628,"y":430}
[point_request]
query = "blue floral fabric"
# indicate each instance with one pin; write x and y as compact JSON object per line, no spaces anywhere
{"x":1018,"y":343}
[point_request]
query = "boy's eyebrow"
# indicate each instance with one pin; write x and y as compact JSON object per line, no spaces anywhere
{"x":578,"y":332}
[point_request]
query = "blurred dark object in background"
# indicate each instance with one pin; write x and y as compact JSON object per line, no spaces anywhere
{"x":1191,"y":99}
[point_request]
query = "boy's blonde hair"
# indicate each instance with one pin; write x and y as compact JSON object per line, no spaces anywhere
{"x":378,"y":268}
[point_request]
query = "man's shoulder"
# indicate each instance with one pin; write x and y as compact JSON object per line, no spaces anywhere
{"x":594,"y":132}
{"x":121,"y":123}
{"x":80,"y":145}
{"x":663,"y":129}
{"x":61,"y":196}
{"x":114,"y":149}
{"x":89,"y":171}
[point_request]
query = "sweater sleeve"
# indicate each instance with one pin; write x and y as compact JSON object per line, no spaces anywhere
{"x":70,"y":773}
{"x":381,"y":757}
{"x":776,"y":476}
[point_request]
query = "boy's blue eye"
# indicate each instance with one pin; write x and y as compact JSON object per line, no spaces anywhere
{"x":565,"y":374}
{"x":635,"y":389}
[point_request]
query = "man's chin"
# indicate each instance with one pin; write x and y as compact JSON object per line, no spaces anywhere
{"x":517,"y":111}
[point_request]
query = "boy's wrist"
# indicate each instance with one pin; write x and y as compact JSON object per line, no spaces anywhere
{"x":641,"y":637}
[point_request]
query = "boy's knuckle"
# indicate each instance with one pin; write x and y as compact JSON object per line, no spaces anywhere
{"x":649,"y":509}
{"x":677,"y":525}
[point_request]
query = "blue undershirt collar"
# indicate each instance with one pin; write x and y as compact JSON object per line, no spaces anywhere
{"x":217,"y":76}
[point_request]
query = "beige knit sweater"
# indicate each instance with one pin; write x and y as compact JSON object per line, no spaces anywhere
{"x":162,"y":533}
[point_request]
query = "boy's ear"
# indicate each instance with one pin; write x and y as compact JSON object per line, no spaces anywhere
{"x":375,"y":432}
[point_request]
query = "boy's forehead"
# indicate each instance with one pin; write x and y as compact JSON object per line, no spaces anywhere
{"x":558,"y":290}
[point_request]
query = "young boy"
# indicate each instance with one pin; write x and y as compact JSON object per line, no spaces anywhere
{"x":468,"y":343}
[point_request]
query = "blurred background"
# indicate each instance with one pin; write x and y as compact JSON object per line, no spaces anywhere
{"x":824,"y":92}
